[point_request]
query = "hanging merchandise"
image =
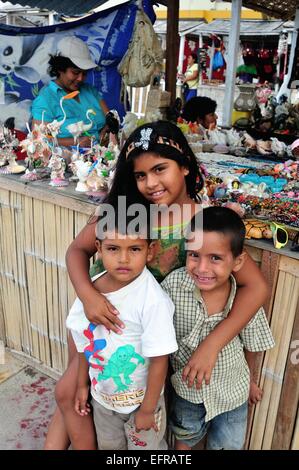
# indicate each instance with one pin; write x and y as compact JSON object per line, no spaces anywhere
{"x":264,"y":53}
{"x":282,"y":47}
{"x":218,"y":60}
{"x":248,"y":51}
{"x":202,"y":58}
{"x":144,"y":55}
{"x":240,"y":59}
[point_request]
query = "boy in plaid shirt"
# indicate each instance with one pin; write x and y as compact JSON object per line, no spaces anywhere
{"x":203,"y":293}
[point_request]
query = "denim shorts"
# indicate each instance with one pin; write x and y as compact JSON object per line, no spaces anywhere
{"x":226,"y":431}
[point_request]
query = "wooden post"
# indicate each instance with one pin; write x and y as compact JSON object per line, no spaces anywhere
{"x":288,"y":405}
{"x":233,"y":47}
{"x":172,"y":47}
{"x":200,"y":45}
{"x":181,"y":53}
{"x":284,"y":89}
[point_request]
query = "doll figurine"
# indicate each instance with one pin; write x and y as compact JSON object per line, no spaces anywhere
{"x":57,"y":165}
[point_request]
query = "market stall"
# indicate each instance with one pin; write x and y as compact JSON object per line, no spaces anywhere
{"x":265,"y":184}
{"x":259,"y":48}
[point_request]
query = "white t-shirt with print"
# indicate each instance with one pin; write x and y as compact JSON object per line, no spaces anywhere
{"x":118,"y":364}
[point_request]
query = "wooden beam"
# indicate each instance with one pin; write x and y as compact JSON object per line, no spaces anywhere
{"x":172,"y":47}
{"x":284,"y":89}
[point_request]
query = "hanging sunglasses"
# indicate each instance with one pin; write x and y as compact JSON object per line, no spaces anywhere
{"x":295,"y":243}
{"x":280,"y":235}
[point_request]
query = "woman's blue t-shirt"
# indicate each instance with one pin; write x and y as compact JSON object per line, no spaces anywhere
{"x":48,"y":101}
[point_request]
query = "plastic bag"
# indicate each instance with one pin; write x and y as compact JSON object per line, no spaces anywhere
{"x":218,"y":60}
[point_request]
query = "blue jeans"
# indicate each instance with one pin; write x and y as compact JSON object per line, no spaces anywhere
{"x":226,"y":431}
{"x":190,"y":94}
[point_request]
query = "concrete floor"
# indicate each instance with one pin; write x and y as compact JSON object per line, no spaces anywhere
{"x":26,"y":404}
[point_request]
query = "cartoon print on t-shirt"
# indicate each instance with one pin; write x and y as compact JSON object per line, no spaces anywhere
{"x":120,"y":364}
{"x":95,"y":346}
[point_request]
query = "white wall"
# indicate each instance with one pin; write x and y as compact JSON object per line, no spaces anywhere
{"x":109,"y":4}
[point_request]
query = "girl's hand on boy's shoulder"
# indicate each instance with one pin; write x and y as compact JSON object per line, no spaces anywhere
{"x":200,"y":365}
{"x":99,"y":311}
{"x":145,"y":421}
{"x":82,"y":407}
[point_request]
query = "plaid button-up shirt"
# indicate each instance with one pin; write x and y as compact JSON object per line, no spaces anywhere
{"x":229,"y":384}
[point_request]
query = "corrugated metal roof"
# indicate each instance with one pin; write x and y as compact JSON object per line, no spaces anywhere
{"x":248,"y":28}
{"x":68,"y":7}
{"x":160,"y":26}
{"x":284,"y":9}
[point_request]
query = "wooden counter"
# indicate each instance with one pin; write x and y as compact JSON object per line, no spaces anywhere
{"x":37,"y":225}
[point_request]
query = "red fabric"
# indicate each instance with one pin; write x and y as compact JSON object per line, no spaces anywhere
{"x":20,"y":136}
{"x":187,"y":49}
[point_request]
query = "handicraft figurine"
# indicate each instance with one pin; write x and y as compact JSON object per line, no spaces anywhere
{"x":8,"y":145}
{"x":57,"y":165}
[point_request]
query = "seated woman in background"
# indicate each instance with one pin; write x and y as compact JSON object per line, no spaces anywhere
{"x":201,"y":110}
{"x":70,"y":67}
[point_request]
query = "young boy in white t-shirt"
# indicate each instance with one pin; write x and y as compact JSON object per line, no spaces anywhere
{"x":127,"y":372}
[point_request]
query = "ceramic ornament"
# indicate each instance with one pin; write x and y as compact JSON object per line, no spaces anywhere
{"x":82,"y":172}
{"x":101,"y":172}
{"x":54,"y":127}
{"x":38,"y":150}
{"x":79,"y":128}
{"x":30,"y":175}
{"x":8,"y":144}
{"x":3,"y":144}
{"x":57,"y":165}
{"x":96,"y":182}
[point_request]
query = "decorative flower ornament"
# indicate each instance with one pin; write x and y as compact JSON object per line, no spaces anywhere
{"x":144,"y":139}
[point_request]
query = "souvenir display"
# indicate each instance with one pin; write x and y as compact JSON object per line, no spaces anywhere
{"x":264,"y":192}
{"x":57,"y":165}
{"x":79,"y":128}
{"x":38,"y":150}
{"x":8,"y":146}
{"x":54,"y":126}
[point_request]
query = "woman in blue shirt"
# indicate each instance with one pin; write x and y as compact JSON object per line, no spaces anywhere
{"x":70,"y":67}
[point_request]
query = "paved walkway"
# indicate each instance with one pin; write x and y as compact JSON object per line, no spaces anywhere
{"x":26,"y":405}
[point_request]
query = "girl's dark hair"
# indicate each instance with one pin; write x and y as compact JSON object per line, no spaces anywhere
{"x":124,"y":182}
{"x":58,"y":63}
{"x":198,"y":107}
{"x":194,"y":56}
{"x":221,"y":220}
{"x":124,"y":223}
